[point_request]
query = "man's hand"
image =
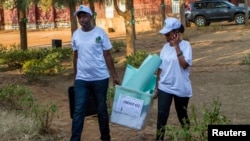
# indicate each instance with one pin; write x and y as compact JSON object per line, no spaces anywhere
{"x":116,"y":81}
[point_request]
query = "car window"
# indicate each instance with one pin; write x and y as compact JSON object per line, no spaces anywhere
{"x":209,"y":5}
{"x":199,"y":5}
{"x":220,"y":5}
{"x":229,"y":3}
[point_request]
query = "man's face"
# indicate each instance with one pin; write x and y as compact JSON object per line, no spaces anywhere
{"x":84,"y":20}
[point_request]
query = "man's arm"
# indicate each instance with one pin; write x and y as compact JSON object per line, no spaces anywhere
{"x":110,"y":63}
{"x":75,"y":56}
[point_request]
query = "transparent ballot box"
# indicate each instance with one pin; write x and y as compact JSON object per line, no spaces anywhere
{"x":131,"y":107}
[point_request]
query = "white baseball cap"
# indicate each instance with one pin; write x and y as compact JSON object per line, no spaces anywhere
{"x":170,"y":24}
{"x":83,"y":8}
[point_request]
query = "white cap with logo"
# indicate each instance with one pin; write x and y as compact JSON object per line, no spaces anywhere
{"x":170,"y":24}
{"x":83,"y":8}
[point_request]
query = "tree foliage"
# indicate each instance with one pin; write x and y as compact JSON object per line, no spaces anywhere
{"x":45,"y":4}
{"x":21,"y":6}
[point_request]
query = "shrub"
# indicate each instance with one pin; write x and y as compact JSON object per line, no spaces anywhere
{"x":16,"y":58}
{"x":110,"y":98}
{"x":197,"y":131}
{"x":117,"y":46}
{"x":50,"y":64}
{"x":35,"y":62}
{"x":44,"y":115}
{"x":136,"y":58}
{"x":15,"y":97}
{"x":246,"y":60}
{"x":3,"y":49}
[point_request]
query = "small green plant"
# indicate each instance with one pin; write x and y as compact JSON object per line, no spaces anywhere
{"x":15,"y":58}
{"x":15,"y":97}
{"x":136,"y":58}
{"x":246,"y":60}
{"x":43,"y":115}
{"x":117,"y":46}
{"x":110,"y":98}
{"x":3,"y":49}
{"x":197,"y":131}
{"x":49,"y":65}
{"x":15,"y":46}
{"x":66,"y":52}
{"x":18,"y":98}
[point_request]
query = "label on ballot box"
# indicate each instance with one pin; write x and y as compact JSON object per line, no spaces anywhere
{"x":129,"y":105}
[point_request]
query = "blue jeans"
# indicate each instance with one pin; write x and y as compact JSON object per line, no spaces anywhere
{"x":82,"y":89}
{"x":164,"y":104}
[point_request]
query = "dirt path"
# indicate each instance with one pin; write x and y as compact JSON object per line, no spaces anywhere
{"x":216,"y":74}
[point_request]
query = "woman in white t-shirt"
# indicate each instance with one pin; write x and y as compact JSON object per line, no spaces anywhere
{"x":173,"y":82}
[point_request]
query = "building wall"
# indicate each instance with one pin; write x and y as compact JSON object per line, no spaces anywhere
{"x":147,"y":16}
{"x":146,"y":13}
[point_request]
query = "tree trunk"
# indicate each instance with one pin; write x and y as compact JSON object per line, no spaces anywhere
{"x":130,"y":49}
{"x":23,"y":29}
{"x":246,"y":15}
{"x":133,"y":20}
{"x":92,"y":7}
{"x":182,"y":12}
{"x":163,"y":13}
{"x":73,"y":20}
{"x":130,"y":32}
{"x":128,"y":19}
{"x":54,"y":16}
{"x":36,"y":16}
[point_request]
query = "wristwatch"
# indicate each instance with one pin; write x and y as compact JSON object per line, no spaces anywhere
{"x":179,"y":54}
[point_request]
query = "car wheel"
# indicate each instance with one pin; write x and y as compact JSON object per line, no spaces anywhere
{"x":200,"y":21}
{"x":239,"y":19}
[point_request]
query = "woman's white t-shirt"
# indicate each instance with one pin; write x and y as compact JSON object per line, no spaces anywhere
{"x":91,"y":64}
{"x":173,"y":78}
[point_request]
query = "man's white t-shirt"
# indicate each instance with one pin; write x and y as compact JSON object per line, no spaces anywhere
{"x":91,"y":64}
{"x":174,"y":79}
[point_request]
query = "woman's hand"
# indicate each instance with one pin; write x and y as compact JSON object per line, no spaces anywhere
{"x":174,"y":41}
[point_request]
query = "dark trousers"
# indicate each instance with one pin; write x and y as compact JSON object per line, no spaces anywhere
{"x":164,"y":104}
{"x":99,"y":89}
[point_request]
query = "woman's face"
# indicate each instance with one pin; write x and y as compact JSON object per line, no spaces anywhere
{"x":171,"y":35}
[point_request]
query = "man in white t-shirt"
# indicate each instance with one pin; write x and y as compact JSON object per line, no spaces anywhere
{"x":93,"y":65}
